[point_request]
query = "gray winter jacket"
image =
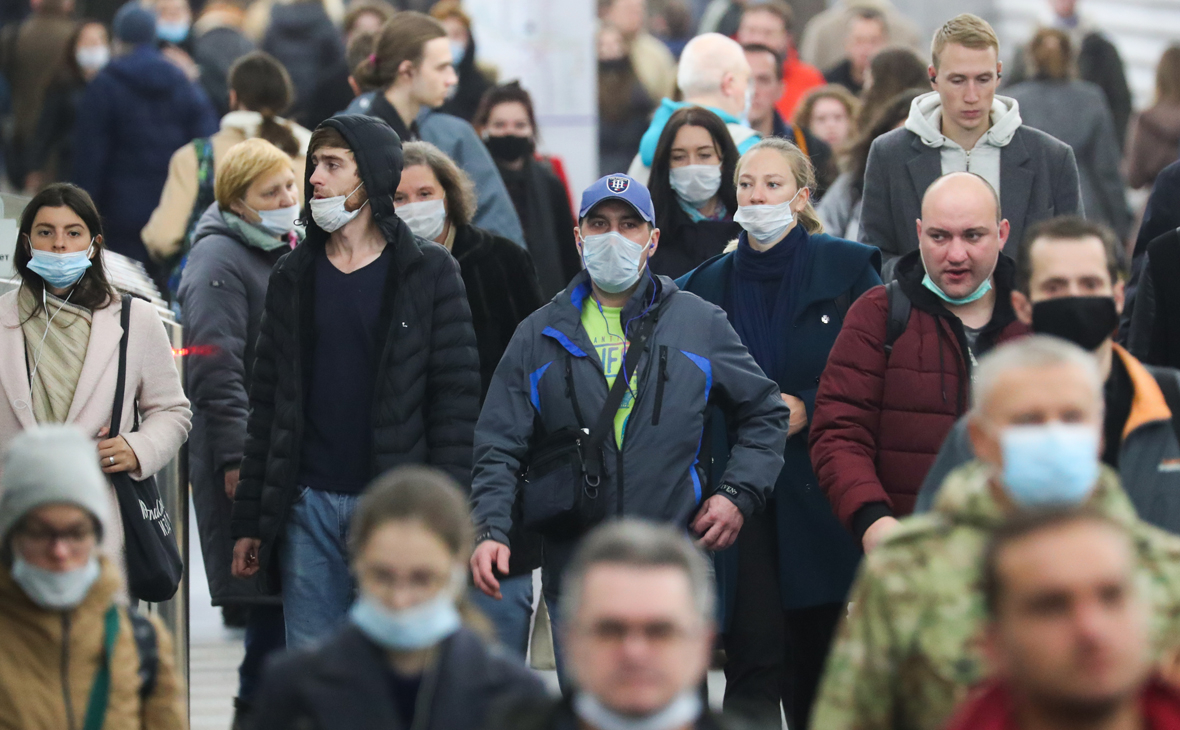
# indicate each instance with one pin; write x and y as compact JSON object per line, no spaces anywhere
{"x":1149,"y":458}
{"x":551,"y":373}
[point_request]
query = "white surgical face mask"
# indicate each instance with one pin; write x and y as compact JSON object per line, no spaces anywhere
{"x":612,"y":260}
{"x":329,"y":213}
{"x":93,"y":58}
{"x":53,"y":590}
{"x":766,"y":223}
{"x":683,"y":710}
{"x":426,"y":218}
{"x":696,"y":184}
{"x":278,"y":222}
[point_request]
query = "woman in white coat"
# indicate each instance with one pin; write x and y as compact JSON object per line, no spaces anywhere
{"x":59,"y":345}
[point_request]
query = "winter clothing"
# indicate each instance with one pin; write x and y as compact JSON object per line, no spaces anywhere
{"x":687,"y":244}
{"x":426,"y":395}
{"x":557,"y":714}
{"x":501,"y":289}
{"x":1155,"y":323}
{"x":1154,"y":143}
{"x":840,"y":209}
{"x":1034,"y":174}
{"x":51,"y":658}
{"x":542,"y":203}
{"x":910,"y":648}
{"x":552,"y":376}
{"x":811,"y":556}
{"x":347,"y":682}
{"x":841,"y":74}
{"x":822,"y":41}
{"x":304,"y":40}
{"x":1075,"y":113}
{"x":51,"y":148}
{"x":215,"y":49}
{"x":222,"y":292}
{"x":1161,"y":214}
{"x":990,"y":707}
{"x":168,"y":225}
{"x":1148,"y":445}
{"x":623,"y":110}
{"x":798,"y":79}
{"x":49,"y":465}
{"x":30,"y":56}
{"x":137,"y":112}
{"x":471,"y":87}
{"x":743,"y":136}
{"x":134,"y":25}
{"x":457,"y":140}
{"x":880,"y":419}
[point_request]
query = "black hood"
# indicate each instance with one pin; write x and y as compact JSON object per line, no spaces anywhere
{"x":378,"y":153}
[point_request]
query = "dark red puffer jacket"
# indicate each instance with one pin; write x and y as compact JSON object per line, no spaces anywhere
{"x":878,"y":424}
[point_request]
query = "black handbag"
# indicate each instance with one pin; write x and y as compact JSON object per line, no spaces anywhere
{"x":560,"y":487}
{"x":154,"y":566}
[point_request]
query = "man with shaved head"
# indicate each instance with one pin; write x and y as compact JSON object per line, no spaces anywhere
{"x":714,"y":74}
{"x":913,"y":642}
{"x":900,"y":372}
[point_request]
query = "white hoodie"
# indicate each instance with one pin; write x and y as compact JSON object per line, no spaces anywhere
{"x":925,"y":120}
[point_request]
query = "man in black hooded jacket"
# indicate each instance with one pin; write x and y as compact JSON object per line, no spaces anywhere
{"x":366,"y":360}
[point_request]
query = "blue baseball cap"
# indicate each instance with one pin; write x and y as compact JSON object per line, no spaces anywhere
{"x":619,"y":187}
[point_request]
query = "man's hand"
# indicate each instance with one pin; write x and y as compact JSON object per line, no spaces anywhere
{"x":877,"y":532}
{"x":246,"y":557}
{"x":231,"y":482}
{"x":718,"y":523}
{"x":489,"y":555}
{"x":798,"y":414}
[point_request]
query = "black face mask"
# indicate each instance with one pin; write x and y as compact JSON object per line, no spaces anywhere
{"x":1085,"y":321}
{"x":510,"y":148}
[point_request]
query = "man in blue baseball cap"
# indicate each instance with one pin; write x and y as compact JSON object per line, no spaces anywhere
{"x":600,"y":402}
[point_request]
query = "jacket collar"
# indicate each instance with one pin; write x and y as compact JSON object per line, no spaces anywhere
{"x":1147,"y":404}
{"x":565,"y":324}
{"x":910,"y":272}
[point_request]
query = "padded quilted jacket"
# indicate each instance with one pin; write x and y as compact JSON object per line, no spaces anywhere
{"x":879,"y":420}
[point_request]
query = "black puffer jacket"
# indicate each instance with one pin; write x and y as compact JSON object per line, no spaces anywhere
{"x":426,"y":398}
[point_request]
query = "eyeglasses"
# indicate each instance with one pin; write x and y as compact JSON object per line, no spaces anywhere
{"x":659,"y":634}
{"x":45,"y":538}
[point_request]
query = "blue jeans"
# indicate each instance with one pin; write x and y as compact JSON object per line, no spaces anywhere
{"x":512,"y":615}
{"x":313,"y":562}
{"x":265,"y":635}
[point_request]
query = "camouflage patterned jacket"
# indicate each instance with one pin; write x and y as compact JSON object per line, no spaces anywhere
{"x":910,"y":647}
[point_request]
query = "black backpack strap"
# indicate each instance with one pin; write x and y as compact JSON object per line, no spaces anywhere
{"x":1167,"y":380}
{"x":899,"y":314}
{"x":148,"y":648}
{"x":121,"y":381}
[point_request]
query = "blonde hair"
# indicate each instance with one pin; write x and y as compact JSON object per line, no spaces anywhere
{"x":801,"y":169}
{"x":967,"y":30}
{"x":244,"y":163}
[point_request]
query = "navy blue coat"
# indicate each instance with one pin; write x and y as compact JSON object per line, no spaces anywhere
{"x":817,"y":556}
{"x":135,"y":113}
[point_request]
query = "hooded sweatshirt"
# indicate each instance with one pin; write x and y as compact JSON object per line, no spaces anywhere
{"x":743,"y":136}
{"x":925,"y":120}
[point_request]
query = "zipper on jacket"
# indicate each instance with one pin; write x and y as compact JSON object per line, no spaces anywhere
{"x":65,"y":670}
{"x":661,"y":378}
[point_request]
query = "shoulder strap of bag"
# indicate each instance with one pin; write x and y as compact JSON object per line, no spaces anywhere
{"x":606,"y":419}
{"x":148,"y":648}
{"x":1166,"y":379}
{"x":899,"y":314}
{"x":121,"y":382}
{"x":800,"y":139}
{"x":843,"y":303}
{"x":100,"y":691}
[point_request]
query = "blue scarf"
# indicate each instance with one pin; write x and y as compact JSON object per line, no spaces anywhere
{"x":764,"y":294}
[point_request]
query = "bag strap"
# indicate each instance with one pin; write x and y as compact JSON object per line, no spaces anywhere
{"x":606,"y":419}
{"x":899,"y":314}
{"x":1166,"y":379}
{"x":148,"y":648}
{"x":800,"y":139}
{"x":100,"y":691}
{"x":121,"y":382}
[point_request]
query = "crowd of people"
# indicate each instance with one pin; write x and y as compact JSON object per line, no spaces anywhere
{"x":853,"y":376}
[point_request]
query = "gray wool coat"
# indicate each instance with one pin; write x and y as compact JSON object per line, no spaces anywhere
{"x":1038,"y":180}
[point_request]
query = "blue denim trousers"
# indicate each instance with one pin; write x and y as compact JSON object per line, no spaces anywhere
{"x":313,"y":562}
{"x":512,"y":615}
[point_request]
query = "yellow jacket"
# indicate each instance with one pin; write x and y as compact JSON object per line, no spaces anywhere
{"x":49,"y":660}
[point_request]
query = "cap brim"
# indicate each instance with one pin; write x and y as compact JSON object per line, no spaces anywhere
{"x":604,"y":199}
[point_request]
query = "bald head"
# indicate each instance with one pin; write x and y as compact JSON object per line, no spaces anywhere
{"x":714,"y":72}
{"x":961,"y":233}
{"x":962,"y":189}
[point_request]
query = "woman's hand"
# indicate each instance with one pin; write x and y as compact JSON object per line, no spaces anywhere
{"x":115,"y":455}
{"x":798,"y":414}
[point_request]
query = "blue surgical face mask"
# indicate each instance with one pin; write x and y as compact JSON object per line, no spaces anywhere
{"x":612,"y":260}
{"x":52,"y":590}
{"x":1049,"y":464}
{"x":172,"y":32}
{"x":60,"y":270}
{"x":683,"y":710}
{"x":979,"y":293}
{"x":278,"y":222}
{"x":409,"y":629}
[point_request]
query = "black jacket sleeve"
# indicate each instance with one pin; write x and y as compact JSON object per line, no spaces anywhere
{"x":1142,"y":340}
{"x":453,"y":384}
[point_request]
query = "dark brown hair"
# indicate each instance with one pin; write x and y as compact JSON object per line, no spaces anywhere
{"x":380,"y":8}
{"x":403,"y":38}
{"x":777,"y":8}
{"x":504,"y":94}
{"x":828,"y":91}
{"x":1050,"y":54}
{"x":1167,"y":76}
{"x":69,"y":72}
{"x":888,"y":117}
{"x":893,"y":70}
{"x":92,"y":291}
{"x":457,"y":187}
{"x":262,"y":85}
{"x":1069,"y":228}
{"x":663,"y":197}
